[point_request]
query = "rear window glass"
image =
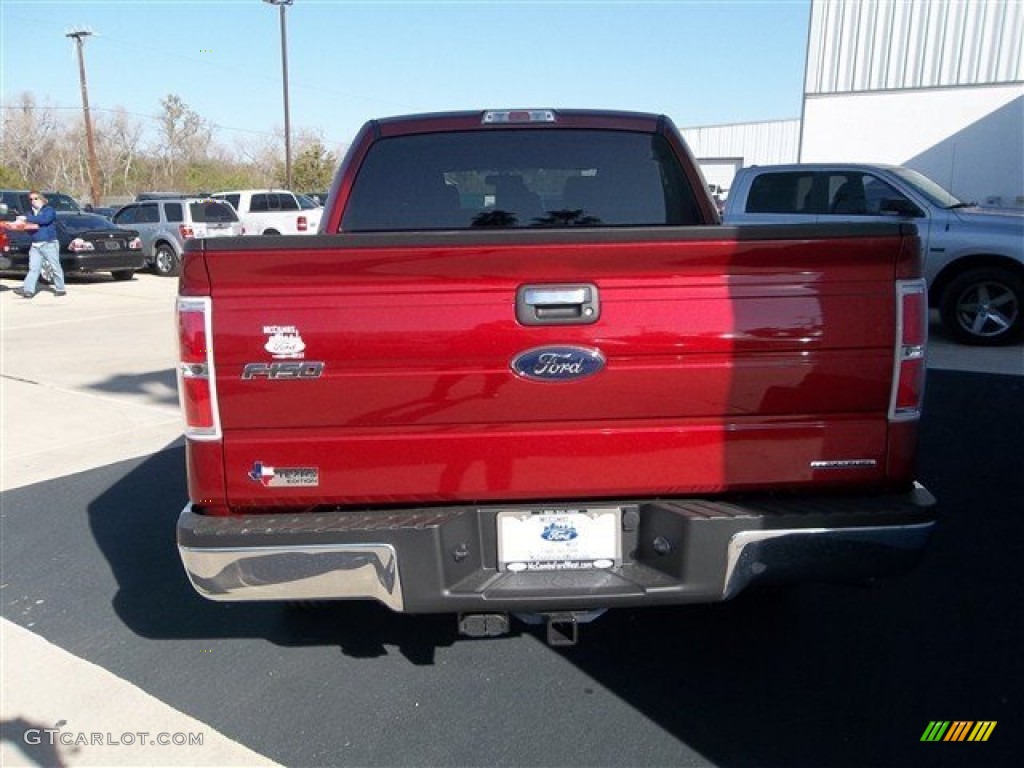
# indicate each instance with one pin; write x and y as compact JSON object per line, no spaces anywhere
{"x":272,"y":201}
{"x":84,"y":222}
{"x":212,"y":212}
{"x":520,"y":178}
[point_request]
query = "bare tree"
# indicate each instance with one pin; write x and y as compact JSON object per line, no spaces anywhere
{"x":67,"y":161}
{"x":41,"y":146}
{"x":185,"y":136}
{"x":265,"y":159}
{"x":29,"y":134}
{"x":118,"y":141}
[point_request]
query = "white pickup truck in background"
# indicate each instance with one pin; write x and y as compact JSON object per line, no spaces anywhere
{"x":973,"y":257}
{"x":272,"y":212}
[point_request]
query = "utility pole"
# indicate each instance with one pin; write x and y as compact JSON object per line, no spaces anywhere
{"x":79,"y":36}
{"x":283,"y":4}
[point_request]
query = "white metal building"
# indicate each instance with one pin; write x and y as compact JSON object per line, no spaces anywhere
{"x":724,"y":149}
{"x":936,"y":85}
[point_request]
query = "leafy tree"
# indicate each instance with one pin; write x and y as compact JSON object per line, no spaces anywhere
{"x":11,"y":179}
{"x":211,"y":176}
{"x":313,"y":168}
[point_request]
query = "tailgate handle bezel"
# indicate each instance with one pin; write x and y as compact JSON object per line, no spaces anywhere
{"x":561,"y":304}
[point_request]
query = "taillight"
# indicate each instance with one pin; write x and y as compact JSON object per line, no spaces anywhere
{"x":186,"y":231}
{"x":911,"y":339}
{"x":196,"y":383}
{"x":303,"y":224}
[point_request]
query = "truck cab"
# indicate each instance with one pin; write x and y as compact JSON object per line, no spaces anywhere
{"x":973,"y":256}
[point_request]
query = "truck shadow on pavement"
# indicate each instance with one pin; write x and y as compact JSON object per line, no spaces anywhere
{"x":160,"y":387}
{"x":821,"y":675}
{"x":155,"y":600}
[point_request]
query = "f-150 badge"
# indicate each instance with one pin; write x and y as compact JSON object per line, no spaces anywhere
{"x":279,"y":477}
{"x":558,"y":363}
{"x":284,"y":342}
{"x":306,"y":369}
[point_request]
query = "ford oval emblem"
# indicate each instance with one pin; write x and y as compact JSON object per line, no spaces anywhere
{"x":560,"y":532}
{"x":558,"y":363}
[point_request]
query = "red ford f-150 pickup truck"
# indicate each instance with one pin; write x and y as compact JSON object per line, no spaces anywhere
{"x":524,"y":370}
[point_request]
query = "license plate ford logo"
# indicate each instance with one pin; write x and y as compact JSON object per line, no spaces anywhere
{"x":558,"y":363}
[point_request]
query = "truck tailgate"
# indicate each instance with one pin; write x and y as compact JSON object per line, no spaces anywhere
{"x":366,"y":369}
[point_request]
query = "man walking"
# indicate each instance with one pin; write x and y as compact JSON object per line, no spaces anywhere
{"x":44,"y":249}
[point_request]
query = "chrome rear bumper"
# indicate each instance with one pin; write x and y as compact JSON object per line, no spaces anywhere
{"x":443,"y":560}
{"x":335,"y":572}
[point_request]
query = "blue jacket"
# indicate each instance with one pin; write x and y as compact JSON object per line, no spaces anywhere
{"x":46,"y":219}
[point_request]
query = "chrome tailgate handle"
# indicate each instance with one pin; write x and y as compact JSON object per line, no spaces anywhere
{"x":558,"y":304}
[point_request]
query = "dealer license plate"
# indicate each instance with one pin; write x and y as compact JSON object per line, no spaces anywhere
{"x":559,"y":539}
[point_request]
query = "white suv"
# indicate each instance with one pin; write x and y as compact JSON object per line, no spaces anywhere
{"x":272,"y":212}
{"x":165,"y":225}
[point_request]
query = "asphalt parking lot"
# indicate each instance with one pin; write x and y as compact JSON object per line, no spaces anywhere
{"x":946,"y":355}
{"x":102,"y":631}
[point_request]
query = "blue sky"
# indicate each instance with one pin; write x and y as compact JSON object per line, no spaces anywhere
{"x":701,"y":63}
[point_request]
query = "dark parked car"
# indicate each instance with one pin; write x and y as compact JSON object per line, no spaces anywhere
{"x":88,"y":243}
{"x":17,"y":201}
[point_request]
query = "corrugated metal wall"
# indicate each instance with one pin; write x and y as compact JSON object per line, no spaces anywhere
{"x":774,"y":141}
{"x":872,"y":45}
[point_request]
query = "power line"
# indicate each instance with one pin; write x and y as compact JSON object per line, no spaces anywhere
{"x":121,"y":110}
{"x":128,"y":46}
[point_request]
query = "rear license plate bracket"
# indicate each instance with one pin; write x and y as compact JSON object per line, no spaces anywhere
{"x":585,"y":538}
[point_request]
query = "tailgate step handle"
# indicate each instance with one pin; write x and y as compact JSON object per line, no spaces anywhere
{"x":558,"y":304}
